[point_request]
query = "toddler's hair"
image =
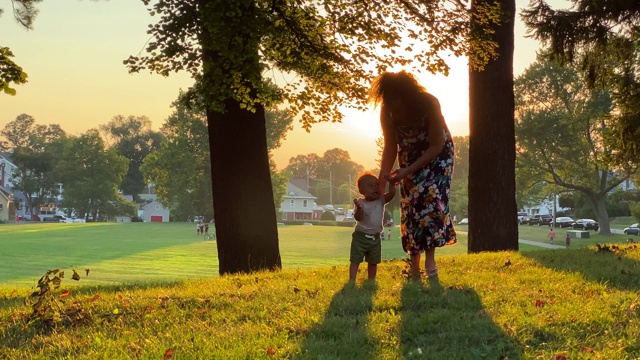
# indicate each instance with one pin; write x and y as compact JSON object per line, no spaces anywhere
{"x":363,"y":175}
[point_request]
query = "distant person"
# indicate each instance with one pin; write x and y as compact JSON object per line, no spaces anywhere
{"x":389,"y":234}
{"x":206,"y":229}
{"x":366,"y":239}
{"x":567,"y":240}
{"x":552,"y":234}
{"x":198,"y":227}
{"x":416,"y":134}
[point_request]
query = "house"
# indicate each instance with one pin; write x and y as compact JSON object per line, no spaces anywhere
{"x":7,"y":169}
{"x":155,"y":212}
{"x":298,"y":203}
{"x":7,"y":208}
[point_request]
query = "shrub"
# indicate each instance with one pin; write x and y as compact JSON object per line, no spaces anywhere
{"x":328,"y":215}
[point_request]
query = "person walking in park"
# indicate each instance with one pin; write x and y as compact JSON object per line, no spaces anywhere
{"x":552,"y":234}
{"x":567,"y":240}
{"x":415,"y":133}
{"x":366,"y":240}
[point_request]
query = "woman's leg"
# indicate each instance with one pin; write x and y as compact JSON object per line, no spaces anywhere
{"x":430,"y":262}
{"x":415,"y":265}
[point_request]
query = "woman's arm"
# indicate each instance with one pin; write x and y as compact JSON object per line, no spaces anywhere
{"x":389,"y":149}
{"x":435,"y":129}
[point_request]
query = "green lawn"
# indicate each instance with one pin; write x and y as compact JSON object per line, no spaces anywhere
{"x":139,"y":252}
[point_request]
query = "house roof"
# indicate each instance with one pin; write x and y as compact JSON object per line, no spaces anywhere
{"x":297,"y":193}
{"x":5,"y":193}
{"x":5,"y":156}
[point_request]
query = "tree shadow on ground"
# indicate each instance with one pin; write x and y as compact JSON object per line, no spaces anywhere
{"x":611,"y":266}
{"x":450,"y":323}
{"x":346,"y":318}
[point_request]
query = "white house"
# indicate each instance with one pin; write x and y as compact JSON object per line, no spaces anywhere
{"x":7,"y":169}
{"x":298,"y":204}
{"x":155,"y":212}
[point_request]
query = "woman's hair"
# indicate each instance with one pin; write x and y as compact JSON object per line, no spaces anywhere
{"x":399,"y":85}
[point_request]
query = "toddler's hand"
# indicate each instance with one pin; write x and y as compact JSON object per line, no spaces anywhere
{"x":356,"y":202}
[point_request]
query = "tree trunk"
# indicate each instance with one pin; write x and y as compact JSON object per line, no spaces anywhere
{"x":245,"y":215}
{"x":492,"y":202}
{"x":246,"y":224}
{"x":602,"y":216}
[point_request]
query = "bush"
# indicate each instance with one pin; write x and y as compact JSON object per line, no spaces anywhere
{"x":328,"y":215}
{"x":635,"y":210}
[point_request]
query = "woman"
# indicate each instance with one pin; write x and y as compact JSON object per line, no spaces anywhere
{"x":415,"y":132}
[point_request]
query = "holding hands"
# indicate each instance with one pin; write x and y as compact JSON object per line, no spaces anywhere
{"x":398,"y":174}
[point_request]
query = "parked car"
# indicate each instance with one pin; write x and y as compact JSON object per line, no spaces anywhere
{"x":540,"y":219}
{"x":564,"y":222}
{"x":586,"y":224}
{"x":464,"y":221}
{"x":633,"y":229}
{"x":523,"y":217}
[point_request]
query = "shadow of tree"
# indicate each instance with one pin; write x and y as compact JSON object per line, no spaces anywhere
{"x":611,"y":266}
{"x":450,"y":323}
{"x":346,"y":317}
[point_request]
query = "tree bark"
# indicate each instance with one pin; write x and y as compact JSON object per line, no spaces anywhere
{"x":246,"y":224}
{"x":492,"y":202}
{"x":245,"y":215}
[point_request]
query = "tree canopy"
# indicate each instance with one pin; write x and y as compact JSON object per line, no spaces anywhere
{"x":601,"y":37}
{"x":24,"y":11}
{"x":327,"y":52}
{"x":562,"y":132}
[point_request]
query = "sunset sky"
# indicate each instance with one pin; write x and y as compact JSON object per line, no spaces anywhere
{"x":74,"y":54}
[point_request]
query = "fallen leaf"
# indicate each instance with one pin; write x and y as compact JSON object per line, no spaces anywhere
{"x":75,"y":276}
{"x":87,"y":271}
{"x":94,"y":298}
{"x":65,"y":293}
{"x":271,"y":351}
{"x":538,"y":303}
{"x":587,"y":349}
{"x":559,"y":357}
{"x":168,"y":354}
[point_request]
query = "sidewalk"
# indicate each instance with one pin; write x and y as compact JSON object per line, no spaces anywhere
{"x":541,"y":244}
{"x":529,"y":242}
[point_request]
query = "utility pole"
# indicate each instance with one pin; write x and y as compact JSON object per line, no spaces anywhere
{"x":330,"y":189}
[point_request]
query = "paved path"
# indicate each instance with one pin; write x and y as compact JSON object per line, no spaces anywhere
{"x":541,"y":244}
{"x":529,"y":242}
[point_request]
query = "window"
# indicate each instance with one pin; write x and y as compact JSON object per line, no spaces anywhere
{"x":304,"y":203}
{"x":291,"y":203}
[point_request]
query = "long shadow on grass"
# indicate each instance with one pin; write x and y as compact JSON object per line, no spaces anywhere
{"x":343,"y":333}
{"x":450,"y":323}
{"x":612,"y":266}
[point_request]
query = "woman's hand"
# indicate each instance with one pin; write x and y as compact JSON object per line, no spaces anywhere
{"x":398,"y":175}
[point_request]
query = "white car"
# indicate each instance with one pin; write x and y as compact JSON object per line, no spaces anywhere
{"x":464,"y":221}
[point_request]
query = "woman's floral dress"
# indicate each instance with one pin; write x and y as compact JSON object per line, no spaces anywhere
{"x":424,"y":203}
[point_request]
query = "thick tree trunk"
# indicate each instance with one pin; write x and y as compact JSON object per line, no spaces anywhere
{"x":246,"y":224}
{"x":245,"y":216}
{"x":492,"y":202}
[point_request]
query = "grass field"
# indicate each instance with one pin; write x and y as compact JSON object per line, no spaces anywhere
{"x":140,"y":252}
{"x":544,"y":304}
{"x":117,"y":253}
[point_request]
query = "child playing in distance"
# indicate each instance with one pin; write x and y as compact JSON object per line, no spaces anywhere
{"x":552,"y":234}
{"x":365,"y":241}
{"x":567,"y":240}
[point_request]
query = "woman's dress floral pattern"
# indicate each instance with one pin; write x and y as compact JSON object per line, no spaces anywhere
{"x":425,"y":218}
